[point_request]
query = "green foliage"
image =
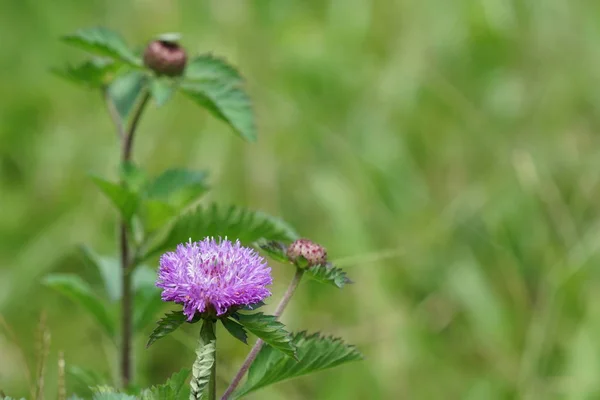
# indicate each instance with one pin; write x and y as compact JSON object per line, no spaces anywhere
{"x":109,"y":269}
{"x":276,"y":250}
{"x":218,"y":221}
{"x":328,"y":274}
{"x":269,"y":330}
{"x":109,"y":393}
{"x":235,"y":329}
{"x":81,"y":293}
{"x":205,"y":358}
{"x":174,"y":389}
{"x":103,"y":42}
{"x":124,"y":200}
{"x":314,"y":353}
{"x":162,"y":89}
{"x":217,"y":86}
{"x":84,"y":378}
{"x":95,"y":73}
{"x":126,"y":90}
{"x":177,"y":186}
{"x":169,"y":323}
{"x":147,"y":303}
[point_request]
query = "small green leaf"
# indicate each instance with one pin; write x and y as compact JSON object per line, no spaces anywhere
{"x":133,"y":176}
{"x":162,"y":90}
{"x":328,"y":274}
{"x":207,"y":67}
{"x":80,"y":291}
{"x":225,"y":101}
{"x":109,"y":393}
{"x":125,"y":201}
{"x":109,"y":269}
{"x":167,"y":324}
{"x":95,"y":73}
{"x":103,"y":42}
{"x":173,"y":389}
{"x":147,"y":304}
{"x":269,"y":330}
{"x":125,"y":91}
{"x":315,"y":353}
{"x":155,"y":214}
{"x":276,"y":250}
{"x":235,"y":329}
{"x":177,"y":186}
{"x":205,"y":358}
{"x":83,"y":378}
{"x":233,"y":222}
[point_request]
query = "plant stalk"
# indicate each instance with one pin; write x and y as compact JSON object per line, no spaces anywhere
{"x":124,"y":245}
{"x":259,"y":343}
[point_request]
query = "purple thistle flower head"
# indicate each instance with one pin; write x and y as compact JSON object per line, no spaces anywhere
{"x":213,"y":275}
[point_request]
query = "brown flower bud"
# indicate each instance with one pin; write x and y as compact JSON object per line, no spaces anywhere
{"x":310,"y":251}
{"x":165,"y":57}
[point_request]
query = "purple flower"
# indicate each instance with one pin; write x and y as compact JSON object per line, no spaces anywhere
{"x":213,"y":273}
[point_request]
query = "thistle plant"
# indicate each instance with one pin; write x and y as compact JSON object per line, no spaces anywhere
{"x":211,"y":257}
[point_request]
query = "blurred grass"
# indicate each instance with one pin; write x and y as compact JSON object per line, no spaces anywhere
{"x":447,"y":154}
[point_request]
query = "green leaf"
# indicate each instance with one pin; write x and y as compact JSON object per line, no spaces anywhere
{"x":233,"y":222}
{"x":207,"y":67}
{"x":167,"y":324}
{"x":235,"y":329}
{"x":269,"y":330}
{"x":125,"y":201}
{"x":103,"y":42}
{"x":109,"y":393}
{"x":147,"y":304}
{"x":173,"y":389}
{"x":133,"y":176}
{"x":155,"y":214}
{"x":94,"y":73}
{"x":225,"y":101}
{"x":126,"y":90}
{"x":177,"y":186}
{"x":84,"y":379}
{"x":276,"y":250}
{"x":314,"y":352}
{"x":205,"y":358}
{"x":328,"y":274}
{"x":109,"y":269}
{"x":80,"y":292}
{"x":162,"y":89}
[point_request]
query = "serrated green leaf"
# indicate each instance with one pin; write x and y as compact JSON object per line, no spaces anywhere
{"x":314,"y":352}
{"x":217,"y":221}
{"x":125,"y":91}
{"x":125,"y":201}
{"x":80,"y":292}
{"x":275,"y":249}
{"x":173,"y":389}
{"x":235,"y":329}
{"x":225,"y":101}
{"x":109,"y":269}
{"x":177,"y":186}
{"x":207,"y":67}
{"x":95,"y":73}
{"x":103,"y":42}
{"x":271,"y":331}
{"x":205,"y":358}
{"x":252,"y":307}
{"x":167,"y":324}
{"x":109,"y":393}
{"x":328,"y":274}
{"x":162,"y":89}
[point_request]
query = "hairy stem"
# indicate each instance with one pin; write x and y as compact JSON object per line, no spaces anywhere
{"x":259,"y":343}
{"x":124,"y":245}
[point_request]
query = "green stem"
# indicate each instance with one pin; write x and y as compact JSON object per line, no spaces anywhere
{"x":127,"y":138}
{"x":208,"y":335}
{"x":259,"y":343}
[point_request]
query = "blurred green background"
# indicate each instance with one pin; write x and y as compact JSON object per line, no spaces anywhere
{"x":446,"y":153}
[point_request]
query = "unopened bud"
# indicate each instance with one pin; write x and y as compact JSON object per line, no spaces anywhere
{"x":310,"y":251}
{"x":165,"y":57}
